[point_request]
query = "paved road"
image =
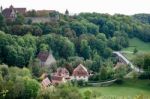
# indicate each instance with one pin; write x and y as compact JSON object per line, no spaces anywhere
{"x":128,"y":62}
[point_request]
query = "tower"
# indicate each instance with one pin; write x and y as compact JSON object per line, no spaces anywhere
{"x":67,"y":12}
{"x":11,"y":7}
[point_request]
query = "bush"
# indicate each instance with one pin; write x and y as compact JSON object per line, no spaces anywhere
{"x":94,"y":77}
{"x":87,"y":94}
{"x":80,"y":83}
{"x":144,"y":76}
{"x":119,"y":81}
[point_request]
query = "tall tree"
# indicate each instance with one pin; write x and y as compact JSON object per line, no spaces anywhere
{"x":85,"y":49}
{"x":2,"y":22}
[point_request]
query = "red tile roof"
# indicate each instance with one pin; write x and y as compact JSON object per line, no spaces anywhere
{"x":46,"y":82}
{"x":56,"y":79}
{"x":80,"y":70}
{"x":43,"y":56}
{"x":21,"y":10}
{"x":62,"y":72}
{"x":7,"y":12}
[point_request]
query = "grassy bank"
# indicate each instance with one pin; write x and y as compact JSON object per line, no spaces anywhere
{"x":138,"y":44}
{"x":130,"y":88}
{"x":142,"y":47}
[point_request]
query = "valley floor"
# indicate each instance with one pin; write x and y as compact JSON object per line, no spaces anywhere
{"x":130,"y":88}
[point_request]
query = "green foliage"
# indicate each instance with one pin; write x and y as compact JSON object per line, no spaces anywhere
{"x":31,"y":13}
{"x":17,"y":50}
{"x":135,"y":50}
{"x":120,"y":72}
{"x":2,"y":22}
{"x":64,"y":91}
{"x":37,"y":31}
{"x":17,"y":83}
{"x":97,"y":62}
{"x":85,"y":49}
{"x":62,"y":46}
{"x":4,"y":70}
{"x":31,"y":87}
{"x":106,"y":72}
{"x":79,"y":83}
{"x":128,"y":89}
{"x":87,"y":94}
{"x":143,"y":61}
{"x":19,"y":19}
{"x":91,"y":28}
{"x":78,"y":27}
{"x":136,"y":43}
{"x":144,"y":18}
{"x":44,"y":47}
{"x":87,"y":38}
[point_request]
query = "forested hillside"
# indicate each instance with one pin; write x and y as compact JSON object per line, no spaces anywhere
{"x":144,"y":18}
{"x":87,"y":36}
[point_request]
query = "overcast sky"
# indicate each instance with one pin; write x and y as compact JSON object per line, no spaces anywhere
{"x":128,"y":7}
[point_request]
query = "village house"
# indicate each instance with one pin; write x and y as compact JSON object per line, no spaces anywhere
{"x":46,"y":82}
{"x":57,"y":79}
{"x":52,"y":80}
{"x":60,"y":76}
{"x":11,"y":13}
{"x":80,"y":73}
{"x":62,"y":72}
{"x":46,"y":59}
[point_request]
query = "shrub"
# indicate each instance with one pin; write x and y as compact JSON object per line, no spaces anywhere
{"x":119,"y":81}
{"x":144,"y":76}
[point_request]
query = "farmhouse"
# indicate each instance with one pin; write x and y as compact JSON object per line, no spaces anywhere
{"x":57,"y":79}
{"x":80,"y":73}
{"x":62,"y":72}
{"x":60,"y":76}
{"x":46,"y":59}
{"x":11,"y":13}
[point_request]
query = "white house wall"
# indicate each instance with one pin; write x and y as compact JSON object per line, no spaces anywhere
{"x":85,"y":78}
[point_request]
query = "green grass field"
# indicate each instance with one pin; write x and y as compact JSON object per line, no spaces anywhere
{"x":130,"y":88}
{"x":142,"y":47}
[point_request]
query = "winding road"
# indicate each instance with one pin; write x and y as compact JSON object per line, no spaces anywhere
{"x":128,"y":62}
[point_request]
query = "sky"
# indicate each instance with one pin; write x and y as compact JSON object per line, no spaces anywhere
{"x":128,"y":7}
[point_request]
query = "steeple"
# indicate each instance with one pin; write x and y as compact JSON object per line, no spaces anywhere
{"x":66,"y":12}
{"x":11,"y":7}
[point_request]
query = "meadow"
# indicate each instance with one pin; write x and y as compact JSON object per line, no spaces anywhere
{"x":130,"y":88}
{"x":142,"y":47}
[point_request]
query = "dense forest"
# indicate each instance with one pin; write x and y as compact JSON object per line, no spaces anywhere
{"x":90,"y":36}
